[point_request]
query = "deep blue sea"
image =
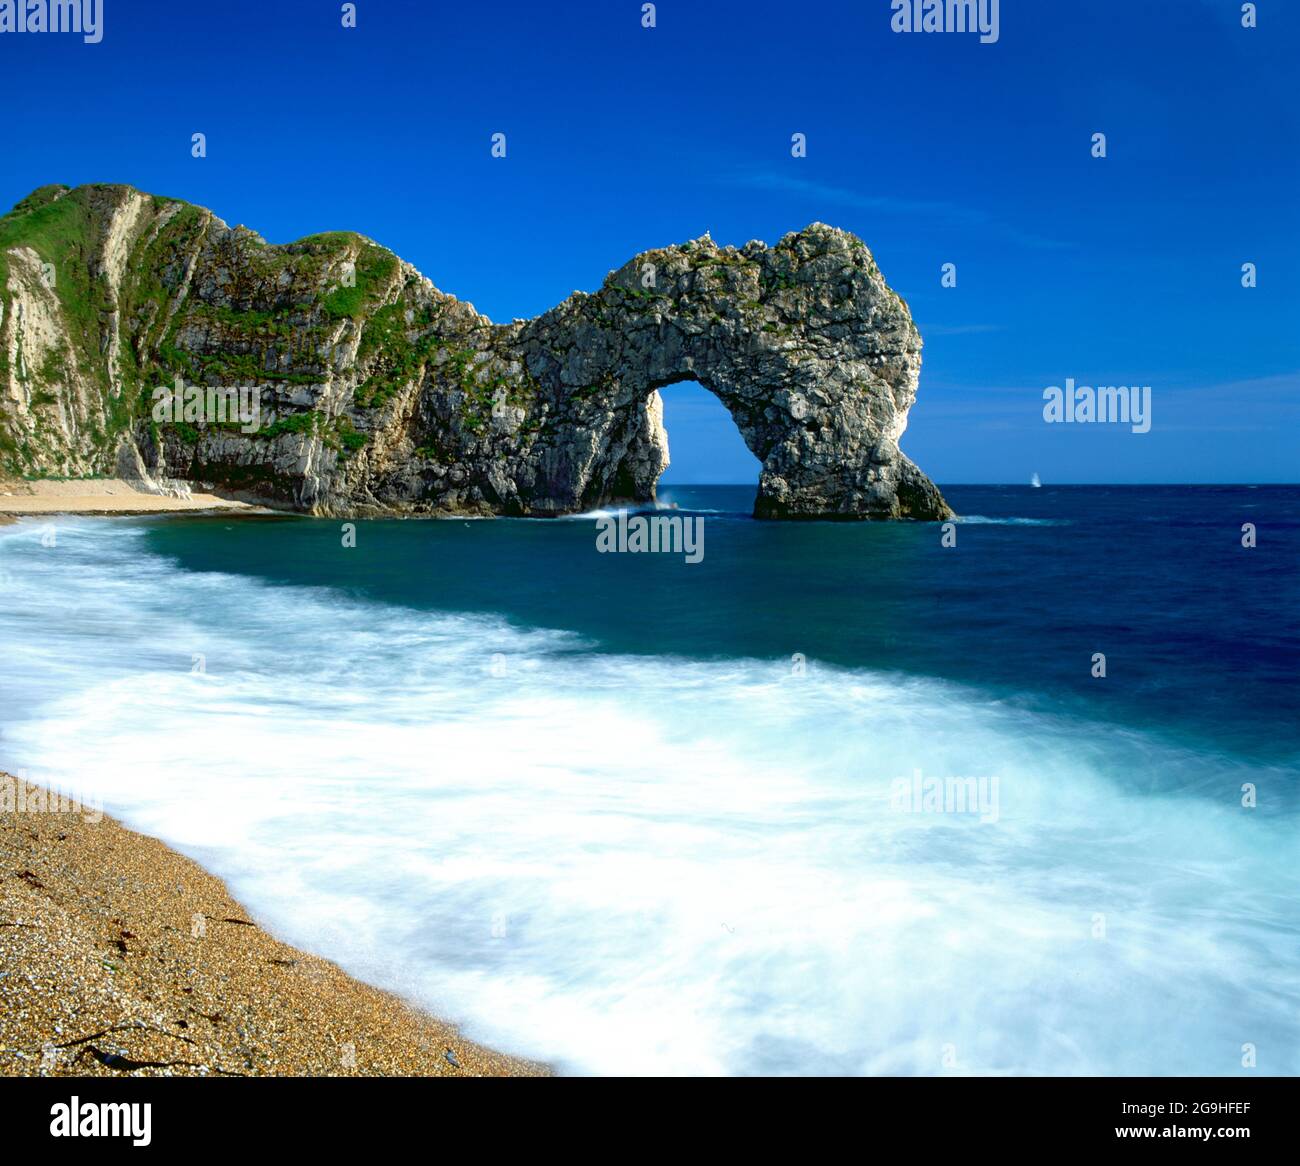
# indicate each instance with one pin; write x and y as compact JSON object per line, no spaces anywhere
{"x":630,"y":814}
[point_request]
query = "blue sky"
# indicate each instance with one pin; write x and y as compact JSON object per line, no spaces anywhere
{"x":934,"y":148}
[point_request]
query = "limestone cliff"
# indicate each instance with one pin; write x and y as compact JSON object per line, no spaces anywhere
{"x":379,"y":393}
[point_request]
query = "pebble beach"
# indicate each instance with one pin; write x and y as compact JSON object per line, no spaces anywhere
{"x":120,"y":957}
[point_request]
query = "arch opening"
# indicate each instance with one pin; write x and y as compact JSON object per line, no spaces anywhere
{"x":706,"y":452}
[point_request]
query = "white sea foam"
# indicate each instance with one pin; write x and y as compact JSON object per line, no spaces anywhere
{"x":648,"y":508}
{"x":982,"y":520}
{"x":632,"y":865}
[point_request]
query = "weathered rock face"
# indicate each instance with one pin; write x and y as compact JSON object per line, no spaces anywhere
{"x":379,"y":393}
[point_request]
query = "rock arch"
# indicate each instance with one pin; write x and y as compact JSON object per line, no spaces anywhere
{"x":381,"y":394}
{"x":815,"y":358}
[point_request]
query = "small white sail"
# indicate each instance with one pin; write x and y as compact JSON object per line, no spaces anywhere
{"x":1034,"y":481}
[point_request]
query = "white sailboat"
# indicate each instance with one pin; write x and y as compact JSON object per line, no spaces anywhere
{"x":1033,"y":481}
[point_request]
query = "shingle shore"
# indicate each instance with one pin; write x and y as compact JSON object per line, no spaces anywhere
{"x":120,"y":957}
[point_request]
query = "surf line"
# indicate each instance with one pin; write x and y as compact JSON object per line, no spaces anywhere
{"x":651,"y":534}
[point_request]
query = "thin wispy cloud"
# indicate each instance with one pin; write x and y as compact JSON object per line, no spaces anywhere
{"x":955,"y":215}
{"x":1239,"y":406}
{"x":928,"y":330}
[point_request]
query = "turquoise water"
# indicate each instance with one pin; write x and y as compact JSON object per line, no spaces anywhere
{"x":631,"y":814}
{"x":1194,"y":626}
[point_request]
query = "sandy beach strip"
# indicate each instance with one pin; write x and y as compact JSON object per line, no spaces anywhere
{"x":120,"y":957}
{"x":100,"y":496}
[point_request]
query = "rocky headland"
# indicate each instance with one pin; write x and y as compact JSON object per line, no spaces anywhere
{"x":379,"y":394}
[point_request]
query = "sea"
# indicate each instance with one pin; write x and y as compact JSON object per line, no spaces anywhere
{"x":1016,"y":795}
